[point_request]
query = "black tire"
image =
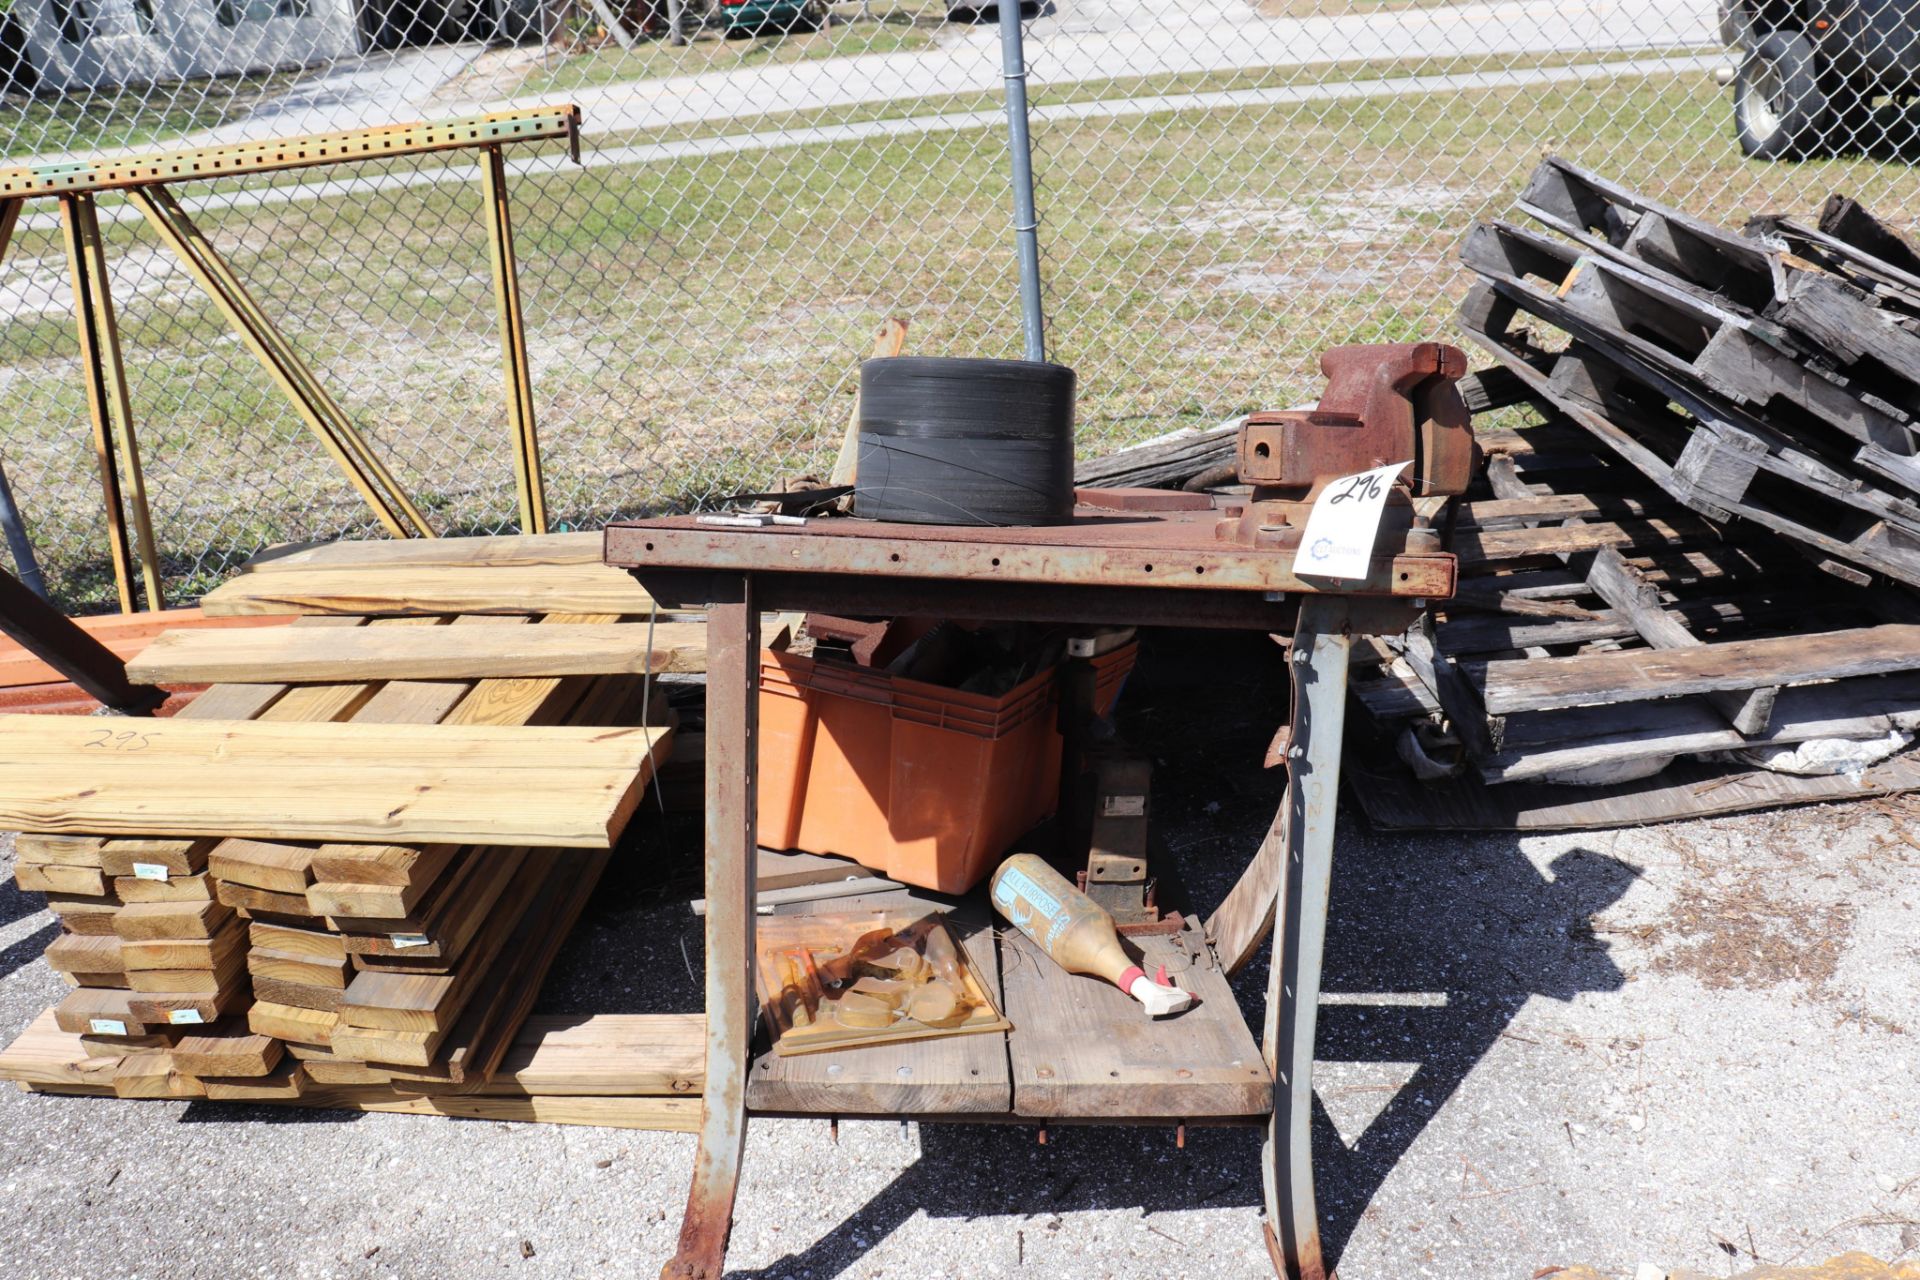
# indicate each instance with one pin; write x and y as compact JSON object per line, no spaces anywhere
{"x":1779,"y":109}
{"x":962,"y":441}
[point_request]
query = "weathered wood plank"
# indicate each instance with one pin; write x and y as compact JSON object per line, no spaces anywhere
{"x":1568,"y":739}
{"x":1082,"y":1047}
{"x":1635,"y":675}
{"x":1623,"y":587}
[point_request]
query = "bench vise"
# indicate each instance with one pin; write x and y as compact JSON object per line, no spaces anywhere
{"x":1383,"y":403}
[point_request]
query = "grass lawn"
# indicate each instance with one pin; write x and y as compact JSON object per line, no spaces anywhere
{"x":129,"y":117}
{"x":695,"y":325}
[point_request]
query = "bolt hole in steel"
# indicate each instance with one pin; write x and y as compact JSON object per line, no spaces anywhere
{"x":996,"y":562}
{"x":1199,"y":568}
{"x":895,"y":557}
{"x":649,"y":546}
{"x":1147,"y":569}
{"x":1261,"y":450}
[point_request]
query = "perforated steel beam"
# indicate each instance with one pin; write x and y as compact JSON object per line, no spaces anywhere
{"x":238,"y":159}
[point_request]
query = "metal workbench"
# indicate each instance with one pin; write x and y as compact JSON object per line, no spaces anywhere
{"x":1127,"y":558}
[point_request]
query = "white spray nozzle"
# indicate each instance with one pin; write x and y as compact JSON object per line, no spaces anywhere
{"x":1158,"y":1000}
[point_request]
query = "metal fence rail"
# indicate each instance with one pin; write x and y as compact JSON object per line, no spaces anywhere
{"x":1224,"y":188}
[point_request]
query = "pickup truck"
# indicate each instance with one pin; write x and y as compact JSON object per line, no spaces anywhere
{"x":1810,"y":70}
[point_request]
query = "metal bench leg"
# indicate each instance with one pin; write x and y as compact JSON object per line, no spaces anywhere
{"x":1319,"y":657}
{"x":733,"y":692}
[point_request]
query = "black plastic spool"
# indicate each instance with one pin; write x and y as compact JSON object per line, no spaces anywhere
{"x":951,"y":440}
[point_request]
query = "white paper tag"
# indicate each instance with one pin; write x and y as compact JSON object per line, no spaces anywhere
{"x":149,"y":871}
{"x":1124,"y":807}
{"x":184,"y":1017}
{"x":1338,"y":539}
{"x":106,"y":1026}
{"x":404,"y":940}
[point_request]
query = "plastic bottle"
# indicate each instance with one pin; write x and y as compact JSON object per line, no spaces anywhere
{"x":1075,"y":931}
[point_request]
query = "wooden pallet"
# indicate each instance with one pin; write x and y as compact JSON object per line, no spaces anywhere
{"x":1745,"y":379}
{"x":1643,"y":648}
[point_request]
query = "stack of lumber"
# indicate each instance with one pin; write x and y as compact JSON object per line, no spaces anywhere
{"x":376,"y":832}
{"x":1613,"y":657}
{"x":1769,"y":377}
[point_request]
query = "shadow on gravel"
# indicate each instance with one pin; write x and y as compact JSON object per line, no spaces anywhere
{"x":1474,"y":937}
{"x":16,"y":904}
{"x":28,"y":949}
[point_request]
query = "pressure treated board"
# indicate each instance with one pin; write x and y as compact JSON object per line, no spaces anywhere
{"x":441,"y":928}
{"x":49,"y":878}
{"x":576,"y":588}
{"x":594,"y":1060}
{"x":262,"y":962}
{"x":291,"y":1022}
{"x":605,"y":1054}
{"x":484,"y":1032}
{"x":146,"y":921}
{"x":98,"y":1011}
{"x":226,"y":1050}
{"x":300,"y":995}
{"x":549,"y":786}
{"x":187,"y":1008}
{"x":196,"y":888}
{"x":1082,"y":1047}
{"x":312,"y":943}
{"x":298,"y":656}
{"x":184,"y":953}
{"x":948,"y":1074}
{"x":90,"y":915}
{"x":417,"y":553}
{"x":176,"y":857}
{"x":429,"y":1002}
{"x":279,"y":865}
{"x":666,"y":1115}
{"x":124,"y":634}
{"x":86,"y":953}
{"x":393,"y":865}
{"x":66,"y":851}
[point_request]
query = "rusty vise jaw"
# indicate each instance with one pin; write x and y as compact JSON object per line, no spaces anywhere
{"x":1383,"y":402}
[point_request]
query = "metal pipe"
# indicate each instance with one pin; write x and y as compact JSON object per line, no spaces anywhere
{"x":17,"y":541}
{"x":1013,"y":72}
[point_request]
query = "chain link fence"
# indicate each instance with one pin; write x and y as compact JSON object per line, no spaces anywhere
{"x":1225,"y":188}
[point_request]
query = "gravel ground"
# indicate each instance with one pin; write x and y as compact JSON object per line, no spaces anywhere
{"x":1692,"y":1044}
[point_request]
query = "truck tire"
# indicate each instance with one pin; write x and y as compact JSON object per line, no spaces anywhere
{"x":1779,"y":109}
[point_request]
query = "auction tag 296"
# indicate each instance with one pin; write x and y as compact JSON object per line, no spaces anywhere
{"x":1338,"y":539}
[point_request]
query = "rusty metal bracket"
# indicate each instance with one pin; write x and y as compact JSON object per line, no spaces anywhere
{"x":733,"y":700}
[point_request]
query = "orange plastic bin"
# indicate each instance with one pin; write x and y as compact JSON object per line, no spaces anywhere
{"x":925,"y":784}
